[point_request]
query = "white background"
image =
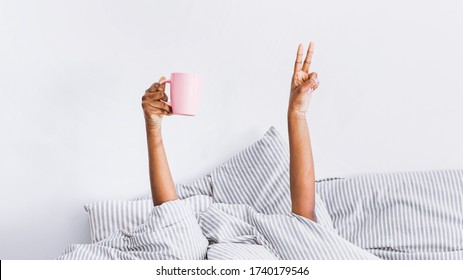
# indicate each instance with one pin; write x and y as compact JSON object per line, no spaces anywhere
{"x":317,"y":269}
{"x":72,"y":74}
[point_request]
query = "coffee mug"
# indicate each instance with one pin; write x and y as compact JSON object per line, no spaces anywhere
{"x":185,"y":90}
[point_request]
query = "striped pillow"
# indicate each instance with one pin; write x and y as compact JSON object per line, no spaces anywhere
{"x":264,"y":164}
{"x":107,"y":216}
{"x":259,"y":176}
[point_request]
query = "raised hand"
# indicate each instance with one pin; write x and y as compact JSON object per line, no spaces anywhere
{"x":303,"y":83}
{"x":162,"y":184}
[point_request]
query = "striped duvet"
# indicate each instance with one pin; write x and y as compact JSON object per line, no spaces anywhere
{"x":241,"y":210}
{"x":403,"y":215}
{"x":408,"y":215}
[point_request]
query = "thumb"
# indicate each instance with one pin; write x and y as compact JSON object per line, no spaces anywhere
{"x":162,"y":86}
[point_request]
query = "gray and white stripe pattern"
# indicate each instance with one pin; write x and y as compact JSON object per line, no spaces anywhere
{"x":266,"y":162}
{"x":223,"y":231}
{"x":107,"y":216}
{"x":241,"y":210}
{"x":278,"y":236}
{"x":401,"y":215}
{"x":259,"y":176}
{"x":171,"y":231}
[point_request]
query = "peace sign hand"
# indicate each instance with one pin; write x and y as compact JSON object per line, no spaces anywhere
{"x":303,"y":83}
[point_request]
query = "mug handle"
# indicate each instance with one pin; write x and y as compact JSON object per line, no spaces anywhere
{"x":162,"y":82}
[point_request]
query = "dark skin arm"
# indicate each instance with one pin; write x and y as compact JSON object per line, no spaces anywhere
{"x":302,"y":174}
{"x":162,"y":184}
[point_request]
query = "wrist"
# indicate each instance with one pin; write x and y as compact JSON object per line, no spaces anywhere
{"x":296,"y":115}
{"x":153,"y":129}
{"x":153,"y":121}
{"x":154,"y":137}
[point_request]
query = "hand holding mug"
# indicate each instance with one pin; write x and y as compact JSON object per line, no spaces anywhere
{"x":154,"y":106}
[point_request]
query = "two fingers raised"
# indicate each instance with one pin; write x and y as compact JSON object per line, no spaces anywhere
{"x":308,"y":81}
{"x":303,"y":66}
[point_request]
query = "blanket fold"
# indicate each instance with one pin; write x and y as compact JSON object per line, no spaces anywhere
{"x":408,"y":215}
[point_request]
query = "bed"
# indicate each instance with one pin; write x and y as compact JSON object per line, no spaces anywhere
{"x":242,"y":210}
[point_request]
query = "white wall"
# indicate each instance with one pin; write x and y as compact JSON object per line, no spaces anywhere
{"x":72,"y":74}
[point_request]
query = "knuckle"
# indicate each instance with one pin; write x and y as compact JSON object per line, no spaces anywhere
{"x":154,"y":95}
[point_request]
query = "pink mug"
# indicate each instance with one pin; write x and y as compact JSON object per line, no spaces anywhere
{"x":185,"y":90}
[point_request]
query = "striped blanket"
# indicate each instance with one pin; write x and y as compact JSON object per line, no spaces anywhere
{"x":408,"y":215}
{"x":403,"y":215}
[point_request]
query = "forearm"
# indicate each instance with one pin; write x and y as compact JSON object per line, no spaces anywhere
{"x":302,"y":174}
{"x":162,"y":184}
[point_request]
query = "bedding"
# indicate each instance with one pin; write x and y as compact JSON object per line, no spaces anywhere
{"x":259,"y":176}
{"x":241,"y":210}
{"x":265,"y":163}
{"x":400,"y":215}
{"x":172,"y":231}
{"x":109,"y":215}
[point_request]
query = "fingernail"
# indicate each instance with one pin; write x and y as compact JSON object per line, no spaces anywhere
{"x":315,"y":80}
{"x":309,"y":90}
